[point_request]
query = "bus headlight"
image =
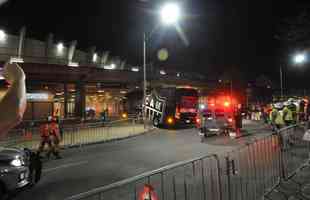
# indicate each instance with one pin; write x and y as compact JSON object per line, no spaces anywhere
{"x":170,"y":120}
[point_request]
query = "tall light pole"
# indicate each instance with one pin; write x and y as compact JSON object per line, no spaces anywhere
{"x":170,"y":14}
{"x":281,"y":81}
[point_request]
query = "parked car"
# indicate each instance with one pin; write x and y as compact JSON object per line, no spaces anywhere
{"x":18,"y":168}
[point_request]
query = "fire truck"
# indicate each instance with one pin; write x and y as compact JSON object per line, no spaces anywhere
{"x":171,"y":106}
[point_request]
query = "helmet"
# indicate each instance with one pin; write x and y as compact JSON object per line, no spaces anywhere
{"x":287,"y":103}
{"x":291,"y":100}
{"x":278,"y":105}
{"x":49,"y":118}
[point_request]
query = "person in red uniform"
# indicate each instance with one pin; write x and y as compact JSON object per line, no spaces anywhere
{"x":45,"y":138}
{"x":55,"y":137}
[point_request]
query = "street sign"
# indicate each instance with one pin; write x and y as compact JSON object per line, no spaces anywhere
{"x":306,"y":136}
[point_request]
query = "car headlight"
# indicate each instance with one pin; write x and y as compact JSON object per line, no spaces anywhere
{"x":16,"y":162}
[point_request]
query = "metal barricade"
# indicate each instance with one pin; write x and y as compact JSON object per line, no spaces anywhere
{"x":247,"y":173}
{"x":251,"y":170}
{"x":295,"y":151}
{"x":193,"y":179}
{"x":77,"y":135}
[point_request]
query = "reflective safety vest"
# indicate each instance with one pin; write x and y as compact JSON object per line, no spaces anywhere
{"x":44,"y":130}
{"x":287,"y":114}
{"x":279,"y":119}
{"x":273,"y":115}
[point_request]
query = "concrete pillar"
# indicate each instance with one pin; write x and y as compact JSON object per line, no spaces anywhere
{"x":90,"y":54}
{"x":123,"y":64}
{"x":22,"y":36}
{"x":65,"y":101}
{"x":49,"y":45}
{"x":104,"y":58}
{"x":80,"y":99}
{"x":72,"y":50}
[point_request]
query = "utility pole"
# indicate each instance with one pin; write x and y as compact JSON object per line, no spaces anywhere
{"x":144,"y":79}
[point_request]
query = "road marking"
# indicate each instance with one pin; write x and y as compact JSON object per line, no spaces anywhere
{"x":65,"y":166}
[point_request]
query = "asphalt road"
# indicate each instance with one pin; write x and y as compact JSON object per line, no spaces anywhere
{"x":82,"y":169}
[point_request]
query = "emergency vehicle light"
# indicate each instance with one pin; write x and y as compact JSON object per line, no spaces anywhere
{"x":226,"y":104}
{"x":198,"y":120}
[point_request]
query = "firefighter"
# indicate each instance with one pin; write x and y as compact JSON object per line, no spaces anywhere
{"x":55,"y":137}
{"x":293,"y":108}
{"x":45,"y":137}
{"x":276,"y":116}
{"x":287,"y":114}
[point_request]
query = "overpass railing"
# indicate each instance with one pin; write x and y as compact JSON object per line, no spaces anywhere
{"x":247,"y":173}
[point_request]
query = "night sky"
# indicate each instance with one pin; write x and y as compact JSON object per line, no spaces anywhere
{"x":223,"y":34}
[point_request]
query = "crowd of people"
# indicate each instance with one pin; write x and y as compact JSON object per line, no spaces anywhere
{"x":282,"y":113}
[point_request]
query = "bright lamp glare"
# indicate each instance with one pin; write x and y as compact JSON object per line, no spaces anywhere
{"x":300,"y":58}
{"x":2,"y":35}
{"x":60,"y":47}
{"x":170,"y":13}
{"x":95,"y":57}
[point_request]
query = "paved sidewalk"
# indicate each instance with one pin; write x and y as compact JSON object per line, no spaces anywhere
{"x":296,"y":169}
{"x":297,"y":187}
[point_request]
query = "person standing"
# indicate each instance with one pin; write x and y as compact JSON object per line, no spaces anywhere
{"x":287,"y":114}
{"x":276,"y":116}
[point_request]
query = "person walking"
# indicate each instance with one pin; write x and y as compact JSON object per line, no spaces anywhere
{"x":45,"y":138}
{"x":54,"y":133}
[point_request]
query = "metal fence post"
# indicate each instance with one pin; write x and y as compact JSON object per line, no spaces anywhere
{"x":203,"y":180}
{"x":219,"y":177}
{"x":281,"y":156}
{"x":228,"y":177}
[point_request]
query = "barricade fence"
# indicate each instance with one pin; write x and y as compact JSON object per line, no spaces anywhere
{"x":77,"y":135}
{"x":247,"y":173}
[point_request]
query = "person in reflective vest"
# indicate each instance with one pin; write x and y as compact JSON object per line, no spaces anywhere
{"x":293,"y":108}
{"x":45,"y":138}
{"x":55,"y":137}
{"x":287,"y":114}
{"x":276,"y":116}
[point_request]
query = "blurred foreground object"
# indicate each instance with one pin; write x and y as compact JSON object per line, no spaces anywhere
{"x":13,"y":103}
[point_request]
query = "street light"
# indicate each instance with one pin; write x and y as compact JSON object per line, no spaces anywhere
{"x":2,"y":35}
{"x":95,"y":57}
{"x":300,"y":58}
{"x":170,"y":14}
{"x":60,"y":47}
